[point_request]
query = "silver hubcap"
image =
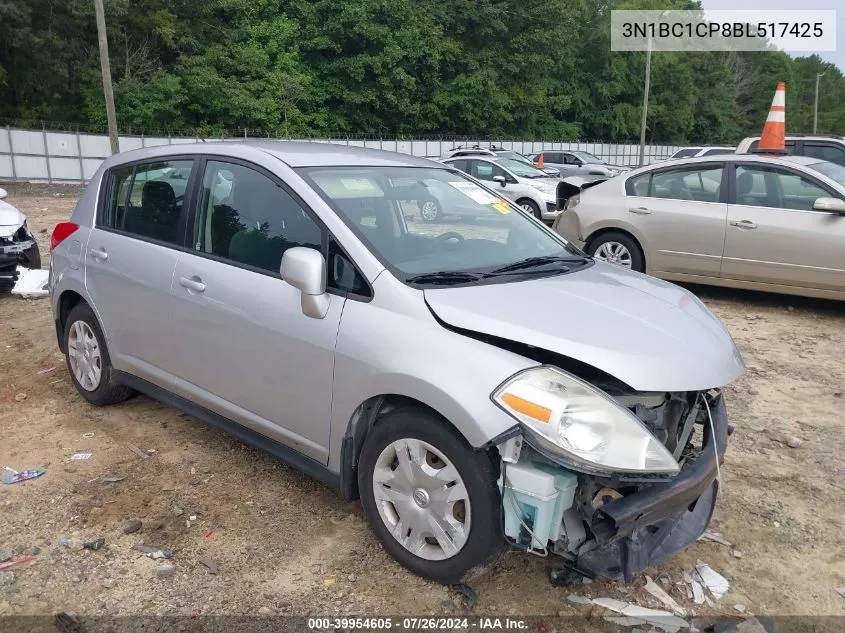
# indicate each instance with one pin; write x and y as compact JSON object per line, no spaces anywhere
{"x":527,"y":207}
{"x":83,"y":350}
{"x":429,"y":210}
{"x":614,"y":253}
{"x":422,"y":499}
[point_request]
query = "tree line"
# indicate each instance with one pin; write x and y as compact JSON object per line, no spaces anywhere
{"x":483,"y":68}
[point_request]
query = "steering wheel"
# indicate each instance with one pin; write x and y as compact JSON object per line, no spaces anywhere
{"x":441,"y":239}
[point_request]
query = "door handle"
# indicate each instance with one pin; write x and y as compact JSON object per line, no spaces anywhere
{"x":744,"y":224}
{"x":192,"y":283}
{"x":99,"y":254}
{"x":639,"y":210}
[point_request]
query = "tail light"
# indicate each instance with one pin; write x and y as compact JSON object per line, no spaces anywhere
{"x":61,"y":232}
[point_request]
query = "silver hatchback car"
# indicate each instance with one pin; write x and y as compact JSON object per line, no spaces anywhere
{"x":476,"y":381}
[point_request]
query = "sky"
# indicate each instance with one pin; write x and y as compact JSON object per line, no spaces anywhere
{"x":837,"y":57}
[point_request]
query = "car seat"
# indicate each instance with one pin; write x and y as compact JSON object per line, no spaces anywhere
{"x":678,"y":190}
{"x":744,"y":185}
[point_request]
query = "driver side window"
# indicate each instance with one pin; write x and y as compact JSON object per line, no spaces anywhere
{"x":486,"y":171}
{"x":570,"y":159}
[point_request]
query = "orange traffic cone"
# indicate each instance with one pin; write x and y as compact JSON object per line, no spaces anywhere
{"x":772,"y":139}
{"x":540,"y":162}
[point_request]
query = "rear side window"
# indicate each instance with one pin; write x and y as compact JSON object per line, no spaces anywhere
{"x":824,"y":151}
{"x":247,"y":218}
{"x":638,"y":185}
{"x":146,"y":200}
{"x":700,"y":184}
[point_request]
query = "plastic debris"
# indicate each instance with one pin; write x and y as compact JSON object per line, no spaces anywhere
{"x":32,"y":283}
{"x":655,"y":590}
{"x":20,"y":397}
{"x":840,"y":591}
{"x":136,"y":450}
{"x":23,"y":475}
{"x":209,"y":564}
{"x":154,"y":552}
{"x":80,"y":456}
{"x":177,"y":511}
{"x":635,"y":615}
{"x":737,"y":553}
{"x":697,"y":592}
{"x":715,"y":537}
{"x":20,"y":560}
{"x":740,"y":608}
{"x":47,"y":370}
{"x":328,"y":581}
{"x":579,"y":599}
{"x":209,"y":533}
{"x":95,"y":544}
{"x":88,"y":435}
{"x":112,"y":480}
{"x":715,"y":582}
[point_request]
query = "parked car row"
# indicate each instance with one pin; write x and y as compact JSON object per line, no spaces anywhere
{"x":739,"y":220}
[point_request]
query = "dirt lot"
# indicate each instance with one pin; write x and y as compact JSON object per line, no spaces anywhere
{"x":284,"y":544}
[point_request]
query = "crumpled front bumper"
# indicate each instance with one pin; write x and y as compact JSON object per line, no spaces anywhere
{"x":16,"y":252}
{"x":646,"y":528}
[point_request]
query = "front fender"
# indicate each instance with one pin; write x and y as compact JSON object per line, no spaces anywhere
{"x":416,"y":357}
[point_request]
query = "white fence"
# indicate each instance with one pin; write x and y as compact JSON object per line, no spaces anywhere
{"x":43,"y":156}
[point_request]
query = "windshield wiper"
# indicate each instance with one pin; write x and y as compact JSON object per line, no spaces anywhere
{"x":444,"y":277}
{"x":533,"y":262}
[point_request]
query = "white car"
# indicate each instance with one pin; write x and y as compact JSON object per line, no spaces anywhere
{"x":530,"y":188}
{"x":498,"y":152}
{"x":708,"y":150}
{"x":18,"y":249}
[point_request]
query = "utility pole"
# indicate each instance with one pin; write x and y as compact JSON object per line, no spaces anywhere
{"x":105,"y":68}
{"x":816,"y":103}
{"x":645,"y":101}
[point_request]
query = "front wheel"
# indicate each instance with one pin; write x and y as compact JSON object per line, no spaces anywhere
{"x":431,"y":500}
{"x":430,"y":210}
{"x":530,"y":207}
{"x":618,"y":249}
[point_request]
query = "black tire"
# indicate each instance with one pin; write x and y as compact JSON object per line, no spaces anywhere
{"x":109,"y":391}
{"x":535,"y":210}
{"x":485,"y":542}
{"x":432,"y":204}
{"x":637,"y":258}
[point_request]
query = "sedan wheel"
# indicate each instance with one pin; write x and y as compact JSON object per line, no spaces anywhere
{"x":83,"y":350}
{"x":422,"y":499}
{"x":614,"y":253}
{"x":429,"y":211}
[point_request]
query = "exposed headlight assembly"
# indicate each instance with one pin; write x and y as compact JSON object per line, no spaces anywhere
{"x":570,"y":418}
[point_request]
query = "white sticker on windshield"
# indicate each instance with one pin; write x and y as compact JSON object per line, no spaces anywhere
{"x":474,"y":191}
{"x":361,"y":185}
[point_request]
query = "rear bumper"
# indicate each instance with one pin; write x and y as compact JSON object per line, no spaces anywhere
{"x":646,"y":528}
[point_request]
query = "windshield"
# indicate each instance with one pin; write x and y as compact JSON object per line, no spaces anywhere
{"x":589,"y":159}
{"x":523,"y":170}
{"x":423,"y":220}
{"x":831,"y":170}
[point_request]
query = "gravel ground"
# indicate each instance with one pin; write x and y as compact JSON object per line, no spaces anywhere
{"x":252,"y":536}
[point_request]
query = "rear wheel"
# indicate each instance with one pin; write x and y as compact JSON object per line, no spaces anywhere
{"x":431,"y":500}
{"x":531,"y":207}
{"x":88,"y":359}
{"x":618,"y":249}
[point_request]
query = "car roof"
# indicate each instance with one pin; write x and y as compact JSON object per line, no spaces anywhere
{"x":742,"y":158}
{"x":294,"y":153}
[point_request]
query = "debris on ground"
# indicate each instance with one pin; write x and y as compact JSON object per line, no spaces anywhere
{"x":137,"y":450}
{"x":840,"y":591}
{"x":746,"y":625}
{"x":713,"y":580}
{"x":32,"y":283}
{"x":95,"y":544}
{"x":177,"y":511}
{"x":23,"y":475}
{"x":67,"y":623}
{"x":20,"y":560}
{"x":737,"y":553}
{"x":132,"y":526}
{"x":80,"y":456}
{"x":655,"y":590}
{"x":793,"y":442}
{"x":715,"y":537}
{"x":111,"y":480}
{"x":154,"y":552}
{"x":20,"y":397}
{"x":7,"y":578}
{"x":633,"y":615}
{"x":740,"y":608}
{"x":164,"y":570}
{"x":5,"y":554}
{"x":209,"y":564}
{"x":470,"y":597}
{"x":579,"y":599}
{"x":87,"y":436}
{"x":47,"y":370}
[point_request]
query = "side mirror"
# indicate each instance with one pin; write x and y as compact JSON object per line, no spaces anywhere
{"x":3,"y":193}
{"x":499,"y":179}
{"x":577,"y":162}
{"x":832,"y":205}
{"x":305,"y":269}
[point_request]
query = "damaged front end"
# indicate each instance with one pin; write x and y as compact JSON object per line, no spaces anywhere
{"x":604,"y":521}
{"x":18,"y":248}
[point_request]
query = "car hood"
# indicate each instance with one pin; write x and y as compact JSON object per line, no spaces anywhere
{"x":10,"y":219}
{"x":648,"y":333}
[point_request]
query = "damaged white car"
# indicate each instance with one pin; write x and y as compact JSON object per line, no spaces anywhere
{"x":478,"y":383}
{"x":18,"y":249}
